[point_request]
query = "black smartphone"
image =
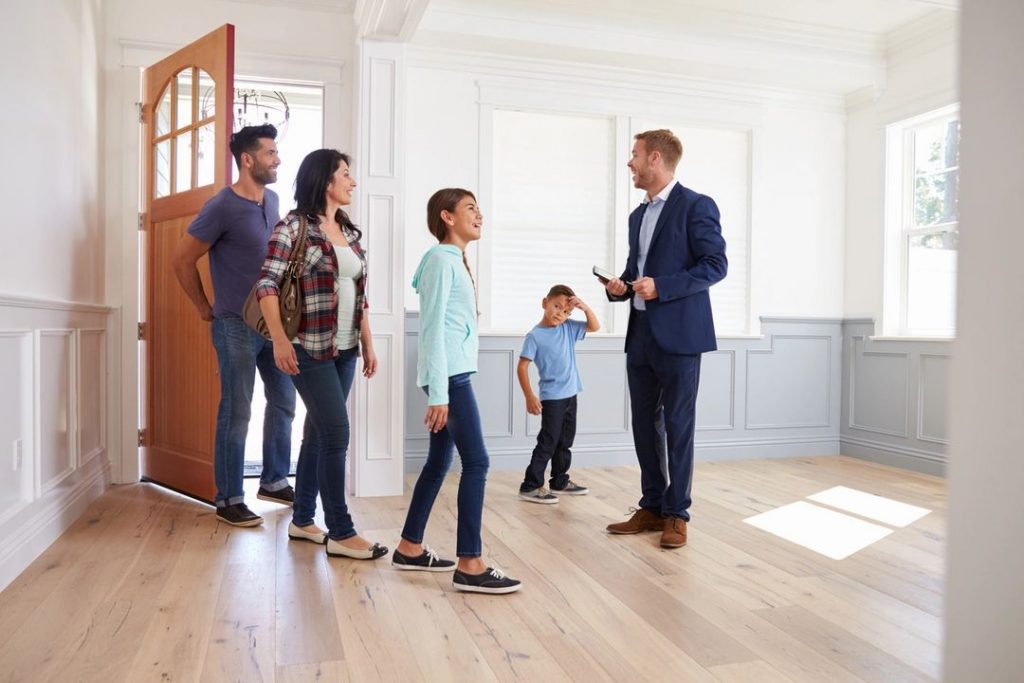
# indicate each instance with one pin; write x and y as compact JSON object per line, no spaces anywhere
{"x":605,"y":276}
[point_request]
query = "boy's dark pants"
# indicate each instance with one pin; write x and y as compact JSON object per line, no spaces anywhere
{"x":557,"y":431}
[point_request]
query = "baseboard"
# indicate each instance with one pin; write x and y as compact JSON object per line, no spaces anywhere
{"x":893,"y":455}
{"x":27,"y":534}
{"x":623,"y":454}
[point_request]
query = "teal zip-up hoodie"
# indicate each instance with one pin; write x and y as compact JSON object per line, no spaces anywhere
{"x":448,"y":341}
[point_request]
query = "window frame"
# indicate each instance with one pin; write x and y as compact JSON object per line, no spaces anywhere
{"x":900,"y":222}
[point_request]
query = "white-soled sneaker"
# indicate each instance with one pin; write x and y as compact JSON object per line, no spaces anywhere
{"x":572,"y":489}
{"x":427,"y":561}
{"x":492,"y":581}
{"x":541,"y":495}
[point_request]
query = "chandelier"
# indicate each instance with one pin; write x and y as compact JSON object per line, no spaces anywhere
{"x":252,"y":107}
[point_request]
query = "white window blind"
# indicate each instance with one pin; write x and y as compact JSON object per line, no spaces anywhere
{"x":552,"y":214}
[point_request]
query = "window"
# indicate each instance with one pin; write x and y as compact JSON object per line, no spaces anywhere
{"x":552,"y":215}
{"x":923,"y":224}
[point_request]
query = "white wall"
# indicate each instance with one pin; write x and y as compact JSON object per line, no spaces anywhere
{"x":798,"y":154}
{"x":921,"y":76}
{"x":50,"y":191}
{"x":54,"y":333}
{"x":985,"y":594}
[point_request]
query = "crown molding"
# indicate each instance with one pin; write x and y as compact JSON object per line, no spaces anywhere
{"x":334,"y":6}
{"x":934,"y":31}
{"x":389,"y":20}
{"x":539,"y":73}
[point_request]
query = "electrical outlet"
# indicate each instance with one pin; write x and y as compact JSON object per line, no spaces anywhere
{"x":18,"y":455}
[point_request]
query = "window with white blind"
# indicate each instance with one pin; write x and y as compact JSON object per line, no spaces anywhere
{"x":559,"y":203}
{"x":551,"y":217}
{"x":716,"y":163}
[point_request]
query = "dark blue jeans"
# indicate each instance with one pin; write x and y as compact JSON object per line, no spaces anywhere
{"x":324,"y":387}
{"x":241,"y":351}
{"x":663,"y":399}
{"x":557,"y":432}
{"x":465,"y":433}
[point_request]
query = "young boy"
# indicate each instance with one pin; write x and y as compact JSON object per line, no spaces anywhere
{"x":552,"y":346}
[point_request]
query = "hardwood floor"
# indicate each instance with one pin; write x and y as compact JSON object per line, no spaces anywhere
{"x":148,"y":586}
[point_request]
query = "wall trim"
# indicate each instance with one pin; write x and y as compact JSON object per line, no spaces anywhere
{"x":42,"y":303}
{"x":890,"y":454}
{"x":48,"y":518}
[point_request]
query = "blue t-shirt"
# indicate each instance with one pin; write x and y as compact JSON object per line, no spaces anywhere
{"x":553,"y":350}
{"x":239,"y":230}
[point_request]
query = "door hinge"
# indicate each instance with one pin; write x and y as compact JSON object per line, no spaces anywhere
{"x":142,"y":331}
{"x":142,"y":437}
{"x":142,"y":111}
{"x":142,"y":221}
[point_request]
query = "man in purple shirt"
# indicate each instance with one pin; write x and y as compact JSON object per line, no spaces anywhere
{"x":234,"y":227}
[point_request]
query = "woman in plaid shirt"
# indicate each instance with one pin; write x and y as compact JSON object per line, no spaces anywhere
{"x":322,"y":358}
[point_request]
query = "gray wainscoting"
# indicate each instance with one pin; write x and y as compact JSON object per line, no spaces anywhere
{"x":778,"y":395}
{"x":894,"y":398}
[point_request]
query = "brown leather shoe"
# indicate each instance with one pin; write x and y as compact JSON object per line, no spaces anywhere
{"x":642,"y":520}
{"x":673,"y":535}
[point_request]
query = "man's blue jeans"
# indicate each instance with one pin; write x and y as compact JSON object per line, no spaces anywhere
{"x":465,"y":433}
{"x":241,"y":351}
{"x":324,"y":387}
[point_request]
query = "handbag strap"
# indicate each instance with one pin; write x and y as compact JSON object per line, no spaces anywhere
{"x":299,"y":247}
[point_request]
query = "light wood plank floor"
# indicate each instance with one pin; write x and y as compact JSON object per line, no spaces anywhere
{"x":147,"y":586}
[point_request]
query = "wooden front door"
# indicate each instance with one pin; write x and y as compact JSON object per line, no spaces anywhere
{"x":187,"y":114}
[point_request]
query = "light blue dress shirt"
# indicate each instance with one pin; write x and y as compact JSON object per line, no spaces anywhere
{"x":647,"y":224}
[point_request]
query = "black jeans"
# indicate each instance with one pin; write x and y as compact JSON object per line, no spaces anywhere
{"x":557,"y":431}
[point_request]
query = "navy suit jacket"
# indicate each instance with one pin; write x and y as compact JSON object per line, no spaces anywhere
{"x":686,"y":257}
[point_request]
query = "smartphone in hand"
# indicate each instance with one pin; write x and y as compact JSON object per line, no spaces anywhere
{"x":606,"y":276}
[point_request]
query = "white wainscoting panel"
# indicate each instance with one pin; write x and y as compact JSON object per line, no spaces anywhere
{"x":56,"y":429}
{"x":381,"y":401}
{"x":879,"y":390}
{"x":17,"y":465}
{"x":716,"y":400}
{"x":92,"y":400}
{"x":789,"y":385}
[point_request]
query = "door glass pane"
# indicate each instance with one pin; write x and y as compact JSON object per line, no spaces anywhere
{"x":162,"y":169}
{"x":207,"y":96}
{"x":184,"y":79}
{"x":205,"y":156}
{"x":183,"y":162}
{"x":163,"y":114}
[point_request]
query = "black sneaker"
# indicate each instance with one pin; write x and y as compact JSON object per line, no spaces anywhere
{"x":238,"y":515}
{"x":491,"y":581}
{"x":285,"y":496}
{"x":572,"y":489}
{"x":427,"y":561}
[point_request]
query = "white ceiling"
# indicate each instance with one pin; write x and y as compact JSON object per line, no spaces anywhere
{"x":825,"y":46}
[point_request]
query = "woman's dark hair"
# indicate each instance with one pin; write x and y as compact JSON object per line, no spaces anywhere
{"x":315,"y":173}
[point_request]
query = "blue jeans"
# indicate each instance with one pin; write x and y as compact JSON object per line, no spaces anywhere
{"x":465,"y":433}
{"x":324,"y":387}
{"x":241,"y":351}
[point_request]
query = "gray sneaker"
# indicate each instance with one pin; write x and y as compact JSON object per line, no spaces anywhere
{"x":573,"y":489}
{"x":541,"y":495}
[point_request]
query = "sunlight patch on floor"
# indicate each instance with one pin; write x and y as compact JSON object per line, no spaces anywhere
{"x":884,"y":510}
{"x":824,"y":531}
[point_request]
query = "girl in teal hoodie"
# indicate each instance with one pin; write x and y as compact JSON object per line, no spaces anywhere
{"x":447,"y":360}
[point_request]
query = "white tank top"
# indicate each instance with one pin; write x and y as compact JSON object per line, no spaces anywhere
{"x":350,"y":268}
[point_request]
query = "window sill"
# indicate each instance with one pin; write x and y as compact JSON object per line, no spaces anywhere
{"x":911,"y":338}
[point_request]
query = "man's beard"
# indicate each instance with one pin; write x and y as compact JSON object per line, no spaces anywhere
{"x":264,"y":175}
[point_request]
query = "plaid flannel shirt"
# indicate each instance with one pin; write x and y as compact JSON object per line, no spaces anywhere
{"x":319,"y":325}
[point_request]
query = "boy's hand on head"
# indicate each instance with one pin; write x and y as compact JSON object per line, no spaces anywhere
{"x":533,"y":406}
{"x":576,"y":302}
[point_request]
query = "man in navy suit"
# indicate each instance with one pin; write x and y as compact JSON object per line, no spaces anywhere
{"x":676,"y":252}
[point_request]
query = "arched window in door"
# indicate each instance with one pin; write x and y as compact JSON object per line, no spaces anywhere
{"x":183,"y":144}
